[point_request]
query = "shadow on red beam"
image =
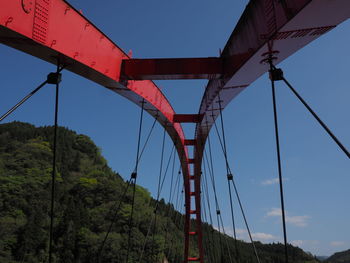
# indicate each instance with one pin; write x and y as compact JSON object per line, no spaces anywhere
{"x":191,"y":118}
{"x":190,"y":142}
{"x":182,"y":68}
{"x":172,"y":68}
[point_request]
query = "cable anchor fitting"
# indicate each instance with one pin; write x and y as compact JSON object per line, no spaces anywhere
{"x":133,"y":175}
{"x":276,"y":74}
{"x":54,"y":78}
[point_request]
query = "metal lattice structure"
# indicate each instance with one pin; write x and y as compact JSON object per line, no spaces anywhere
{"x":54,"y":31}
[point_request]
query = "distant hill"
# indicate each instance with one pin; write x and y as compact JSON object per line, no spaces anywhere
{"x":340,"y":257}
{"x":88,"y":192}
{"x":322,"y":258}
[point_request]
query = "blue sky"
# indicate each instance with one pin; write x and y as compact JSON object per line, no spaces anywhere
{"x":316,"y":172}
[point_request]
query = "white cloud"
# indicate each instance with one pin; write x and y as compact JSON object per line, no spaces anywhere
{"x":300,"y":221}
{"x":263,"y":236}
{"x":270,"y":181}
{"x":258,"y":236}
{"x":337,"y":243}
{"x":273,"y":181}
{"x":297,"y":243}
{"x":274,"y":212}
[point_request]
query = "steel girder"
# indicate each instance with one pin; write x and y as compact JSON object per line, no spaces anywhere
{"x":267,"y":29}
{"x":53,"y":30}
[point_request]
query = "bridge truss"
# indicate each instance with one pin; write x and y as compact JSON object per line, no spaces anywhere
{"x":267,"y":31}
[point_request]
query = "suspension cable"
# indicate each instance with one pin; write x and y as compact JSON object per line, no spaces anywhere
{"x":134,"y":179}
{"x":220,"y":226}
{"x":175,"y":191}
{"x":206,"y":236}
{"x":57,"y":79}
{"x":169,"y":206}
{"x":161,"y":165}
{"x":145,"y":242}
{"x":230,"y":177}
{"x":206,"y":194}
{"x":166,"y":171}
{"x":120,"y":202}
{"x":50,"y":80}
{"x":279,"y":160}
{"x":161,"y":181}
{"x":225,"y":237}
{"x":113,"y":220}
{"x":147,"y":139}
{"x":179,"y":207}
{"x":158,"y":188}
{"x":324,"y":126}
{"x":215,"y":195}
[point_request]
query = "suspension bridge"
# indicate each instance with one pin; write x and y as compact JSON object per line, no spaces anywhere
{"x":267,"y":33}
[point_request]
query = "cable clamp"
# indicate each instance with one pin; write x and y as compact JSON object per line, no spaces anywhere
{"x":276,"y":74}
{"x":229,"y":177}
{"x":133,"y":175}
{"x":218,"y":212}
{"x":54,"y":78}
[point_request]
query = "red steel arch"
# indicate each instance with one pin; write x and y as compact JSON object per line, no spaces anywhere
{"x":53,"y":29}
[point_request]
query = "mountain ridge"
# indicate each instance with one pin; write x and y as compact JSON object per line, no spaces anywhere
{"x":87,"y":193}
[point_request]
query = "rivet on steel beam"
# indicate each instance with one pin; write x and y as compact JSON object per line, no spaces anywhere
{"x":86,"y":25}
{"x":75,"y":54}
{"x":93,"y":63}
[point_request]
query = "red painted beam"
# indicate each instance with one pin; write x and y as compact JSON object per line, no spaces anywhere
{"x":190,"y":142}
{"x":53,"y":30}
{"x":172,"y":68}
{"x":191,"y":118}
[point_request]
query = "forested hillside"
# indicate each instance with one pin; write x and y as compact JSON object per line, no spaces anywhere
{"x":339,"y":257}
{"x":87,"y":194}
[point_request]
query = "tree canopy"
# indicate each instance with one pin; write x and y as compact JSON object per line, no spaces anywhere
{"x":87,"y":194}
